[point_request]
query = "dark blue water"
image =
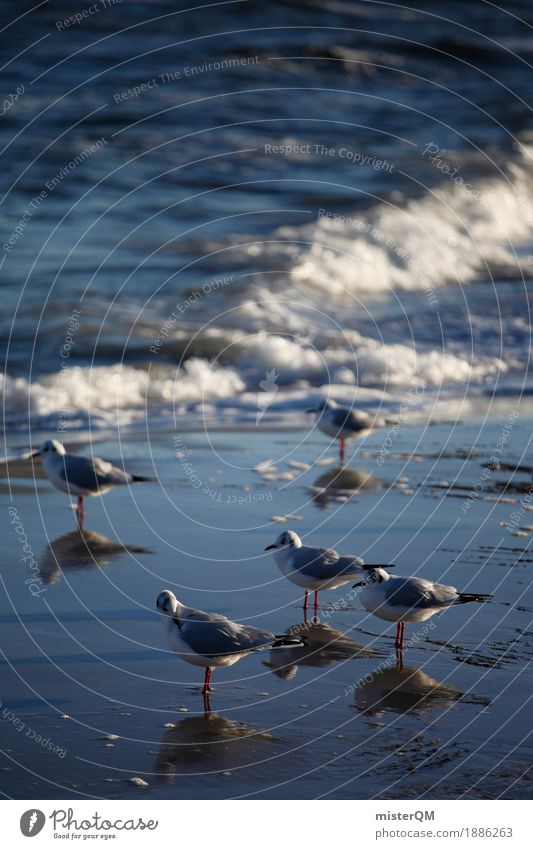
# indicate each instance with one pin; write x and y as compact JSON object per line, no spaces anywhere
{"x":340,"y":191}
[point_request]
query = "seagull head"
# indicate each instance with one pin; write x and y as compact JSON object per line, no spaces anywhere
{"x":49,"y":448}
{"x":323,"y":405}
{"x":374,"y":575}
{"x":167,"y":603}
{"x":288,"y":539}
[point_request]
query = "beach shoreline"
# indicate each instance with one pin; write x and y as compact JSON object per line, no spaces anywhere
{"x":342,"y":722}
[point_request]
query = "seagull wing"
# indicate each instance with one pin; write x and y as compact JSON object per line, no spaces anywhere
{"x":324,"y":563}
{"x":349,"y":564}
{"x":91,"y":472}
{"x":418,"y":593}
{"x":210,"y":634}
{"x":355,"y":420}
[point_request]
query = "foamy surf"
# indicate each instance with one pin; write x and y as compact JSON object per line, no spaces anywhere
{"x":453,"y":234}
{"x":122,"y":395}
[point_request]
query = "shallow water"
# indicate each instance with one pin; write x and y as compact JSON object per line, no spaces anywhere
{"x":337,"y":720}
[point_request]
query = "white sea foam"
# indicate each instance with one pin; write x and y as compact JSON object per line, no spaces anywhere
{"x":450,"y":235}
{"x":111,"y":395}
{"x":363,"y":361}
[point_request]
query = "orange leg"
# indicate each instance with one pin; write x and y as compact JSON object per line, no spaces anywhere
{"x":316,"y":601}
{"x":207,"y":681}
{"x":80,"y":513}
{"x":399,"y":636}
{"x":342,"y":448}
{"x":207,"y":705}
{"x":306,"y":601}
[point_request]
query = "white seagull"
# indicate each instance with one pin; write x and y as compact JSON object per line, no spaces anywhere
{"x":313,"y":569}
{"x":344,"y":423}
{"x":81,"y":476}
{"x":211,"y":640}
{"x":402,"y":600}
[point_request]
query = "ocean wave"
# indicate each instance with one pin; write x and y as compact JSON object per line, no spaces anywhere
{"x":453,"y":234}
{"x":365,"y":371}
{"x":326,"y":320}
{"x":105,"y":395}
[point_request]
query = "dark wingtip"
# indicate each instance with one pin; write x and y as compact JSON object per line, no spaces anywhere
{"x":284,"y":641}
{"x":466,"y":597}
{"x":368,"y":566}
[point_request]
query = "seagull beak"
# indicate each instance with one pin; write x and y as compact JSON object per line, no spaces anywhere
{"x":359,"y":584}
{"x":34,"y":454}
{"x":312,"y":410}
{"x":270,"y":547}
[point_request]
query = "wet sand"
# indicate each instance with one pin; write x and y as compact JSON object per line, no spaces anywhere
{"x":92,"y":696}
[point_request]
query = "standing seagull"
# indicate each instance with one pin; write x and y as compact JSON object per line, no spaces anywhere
{"x":211,"y":640}
{"x":344,"y":423}
{"x":313,"y":568}
{"x":402,"y":600}
{"x":81,"y":476}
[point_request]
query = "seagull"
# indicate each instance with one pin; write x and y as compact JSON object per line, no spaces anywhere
{"x":313,"y":568}
{"x":81,"y":476}
{"x":402,"y":600}
{"x":344,"y":423}
{"x":212,"y":640}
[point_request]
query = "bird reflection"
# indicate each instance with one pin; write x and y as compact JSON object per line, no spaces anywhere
{"x":324,"y":645}
{"x":81,"y":551}
{"x":212,"y":743}
{"x":403,"y":690}
{"x":339,"y":483}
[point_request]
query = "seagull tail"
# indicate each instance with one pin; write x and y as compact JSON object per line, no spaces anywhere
{"x":464,"y":598}
{"x":141,"y":479}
